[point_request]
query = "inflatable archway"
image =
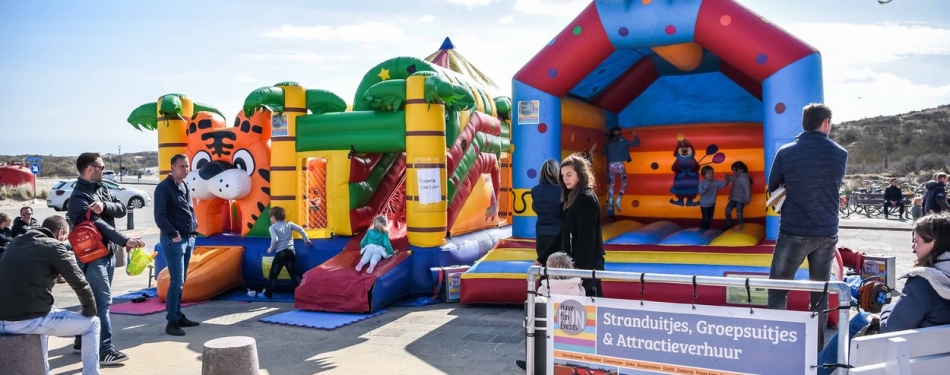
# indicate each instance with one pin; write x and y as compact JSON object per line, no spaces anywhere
{"x":711,"y":71}
{"x":701,"y":82}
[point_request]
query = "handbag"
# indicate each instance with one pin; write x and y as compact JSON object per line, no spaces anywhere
{"x":86,"y":240}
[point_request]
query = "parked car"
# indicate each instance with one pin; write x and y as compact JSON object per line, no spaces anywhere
{"x":133,"y":198}
{"x":108,"y":175}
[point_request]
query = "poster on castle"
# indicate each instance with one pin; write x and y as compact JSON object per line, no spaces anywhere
{"x":621,"y":337}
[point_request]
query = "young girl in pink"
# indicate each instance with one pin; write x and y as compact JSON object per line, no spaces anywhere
{"x":559,"y":284}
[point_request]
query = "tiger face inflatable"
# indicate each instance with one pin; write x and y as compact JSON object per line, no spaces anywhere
{"x":228,"y":165}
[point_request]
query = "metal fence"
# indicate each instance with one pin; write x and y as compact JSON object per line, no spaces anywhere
{"x":840,"y":288}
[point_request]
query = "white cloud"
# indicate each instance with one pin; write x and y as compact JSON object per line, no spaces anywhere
{"x":427,"y":18}
{"x":309,"y":57}
{"x":364,"y":32}
{"x":864,"y":92}
{"x":244,"y":79}
{"x":861,"y":62}
{"x":471,"y":3}
{"x":506,"y":20}
{"x":872,"y":43}
{"x":551,"y":7}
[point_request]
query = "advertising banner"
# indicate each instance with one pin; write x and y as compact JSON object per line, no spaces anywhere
{"x":613,"y":336}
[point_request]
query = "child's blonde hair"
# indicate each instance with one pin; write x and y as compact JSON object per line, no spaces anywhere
{"x":560,"y":260}
{"x":381,"y":224}
{"x":918,"y":201}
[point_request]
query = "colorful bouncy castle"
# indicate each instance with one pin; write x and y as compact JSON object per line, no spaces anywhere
{"x":698,"y":83}
{"x":425,"y":146}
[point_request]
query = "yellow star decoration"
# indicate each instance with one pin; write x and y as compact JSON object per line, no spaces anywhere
{"x":383,"y":74}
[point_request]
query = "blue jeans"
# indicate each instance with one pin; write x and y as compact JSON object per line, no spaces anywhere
{"x":99,"y":275}
{"x":738,"y":206}
{"x":790,"y":252}
{"x":61,"y":323}
{"x":177,"y":256}
{"x":830,"y":353}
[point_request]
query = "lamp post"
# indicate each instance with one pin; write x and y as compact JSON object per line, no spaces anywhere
{"x":120,"y":163}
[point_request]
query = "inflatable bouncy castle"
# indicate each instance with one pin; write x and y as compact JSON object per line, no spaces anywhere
{"x":424,"y":145}
{"x":704,"y":82}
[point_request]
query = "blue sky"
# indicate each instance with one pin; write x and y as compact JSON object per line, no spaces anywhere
{"x":72,"y":71}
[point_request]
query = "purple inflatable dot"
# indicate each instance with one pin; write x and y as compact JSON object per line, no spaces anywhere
{"x":532,"y":173}
{"x":761,"y":58}
{"x":623,"y":31}
{"x":670,"y":30}
{"x":780,"y":108}
{"x":552,"y":73}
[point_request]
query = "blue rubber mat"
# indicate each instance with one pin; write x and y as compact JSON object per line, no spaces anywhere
{"x":317,"y":319}
{"x":241,"y":296}
{"x":150,"y":292}
{"x":416,"y":301}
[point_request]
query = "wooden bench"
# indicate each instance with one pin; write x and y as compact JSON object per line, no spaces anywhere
{"x":914,"y":351}
{"x":873,"y":203}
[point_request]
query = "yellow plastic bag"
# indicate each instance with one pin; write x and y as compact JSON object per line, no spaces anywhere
{"x":137,"y":262}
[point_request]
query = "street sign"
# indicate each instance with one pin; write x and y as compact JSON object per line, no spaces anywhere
{"x":35,"y":168}
{"x":34,"y":159}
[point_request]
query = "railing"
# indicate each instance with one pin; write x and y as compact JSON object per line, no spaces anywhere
{"x":842,"y":290}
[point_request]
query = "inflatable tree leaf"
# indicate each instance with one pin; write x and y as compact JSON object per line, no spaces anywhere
{"x":143,"y":117}
{"x":503,"y":104}
{"x":387,"y":95}
{"x":171,"y":105}
{"x":200,"y":107}
{"x":323,"y":101}
{"x":269,"y":97}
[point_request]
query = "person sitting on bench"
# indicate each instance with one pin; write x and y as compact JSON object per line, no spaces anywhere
{"x":894,"y":197}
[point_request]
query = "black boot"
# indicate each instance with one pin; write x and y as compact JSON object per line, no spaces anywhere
{"x":174,"y":329}
{"x":185,"y":322}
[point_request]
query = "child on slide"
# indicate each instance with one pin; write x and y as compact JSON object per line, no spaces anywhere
{"x":375,"y":245}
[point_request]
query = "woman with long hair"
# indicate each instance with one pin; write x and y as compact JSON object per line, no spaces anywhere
{"x":546,"y":203}
{"x":926,"y":295}
{"x":580,"y":235}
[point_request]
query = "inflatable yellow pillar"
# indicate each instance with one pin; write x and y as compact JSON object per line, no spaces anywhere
{"x":426,"y":218}
{"x":283,"y":164}
{"x":172,"y":138}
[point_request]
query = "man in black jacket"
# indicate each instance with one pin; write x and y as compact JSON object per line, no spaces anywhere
{"x":24,"y":222}
{"x":894,"y":197}
{"x":27,"y":270}
{"x":89,"y":195}
{"x":936,"y":199}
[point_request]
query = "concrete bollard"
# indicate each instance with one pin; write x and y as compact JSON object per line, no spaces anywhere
{"x":22,"y":355}
{"x":131,"y":219}
{"x":233,"y":355}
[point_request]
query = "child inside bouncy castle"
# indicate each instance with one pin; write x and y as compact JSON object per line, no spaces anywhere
{"x":708,"y":190}
{"x":282,"y":241}
{"x":617,"y":150}
{"x":741,"y":193}
{"x":375,"y":245}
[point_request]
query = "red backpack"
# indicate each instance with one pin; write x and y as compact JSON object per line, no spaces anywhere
{"x":86,"y":240}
